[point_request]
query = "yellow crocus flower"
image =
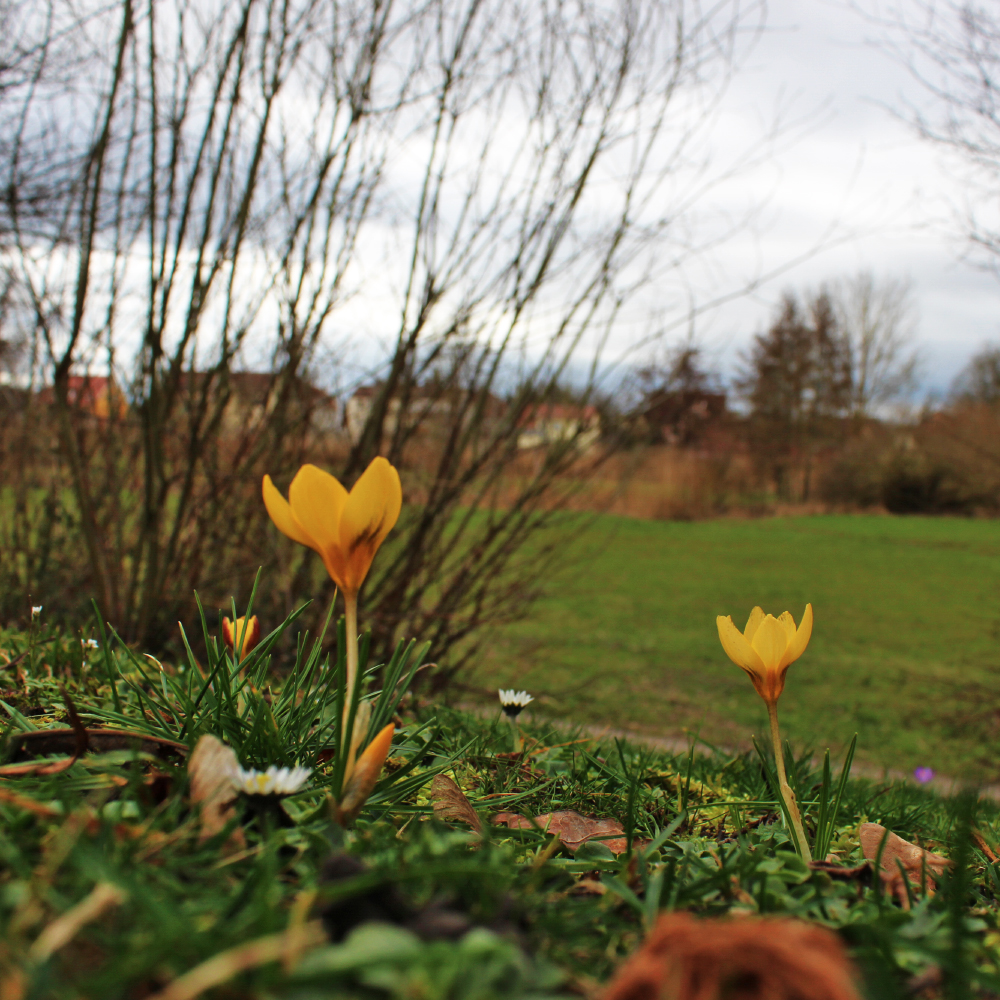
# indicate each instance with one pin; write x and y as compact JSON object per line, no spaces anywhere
{"x":766,"y":647}
{"x":346,"y":529}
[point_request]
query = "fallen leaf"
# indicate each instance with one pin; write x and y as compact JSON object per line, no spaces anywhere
{"x":450,"y":803}
{"x":984,"y":846}
{"x":573,"y":829}
{"x":918,"y":864}
{"x":211,"y":767}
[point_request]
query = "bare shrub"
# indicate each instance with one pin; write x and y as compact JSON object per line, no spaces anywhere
{"x":193,"y":193}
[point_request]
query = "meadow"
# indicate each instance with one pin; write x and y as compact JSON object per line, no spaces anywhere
{"x":904,"y":649}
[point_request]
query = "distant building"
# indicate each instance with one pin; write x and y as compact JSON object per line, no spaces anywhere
{"x":431,"y":406}
{"x":97,"y":395}
{"x":550,"y":423}
{"x":253,"y":397}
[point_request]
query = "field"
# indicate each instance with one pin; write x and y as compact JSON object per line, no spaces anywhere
{"x":138,"y":862}
{"x":904,"y":650}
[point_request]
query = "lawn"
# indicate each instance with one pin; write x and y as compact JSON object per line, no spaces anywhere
{"x":904,"y":650}
{"x":138,"y":864}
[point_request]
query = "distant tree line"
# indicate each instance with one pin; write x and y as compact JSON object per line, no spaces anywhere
{"x":823,"y":407}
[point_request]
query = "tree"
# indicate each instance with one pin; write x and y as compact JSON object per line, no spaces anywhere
{"x":876,"y":322}
{"x":479,"y":187}
{"x":979,"y":380}
{"x":679,"y":397}
{"x":796,"y":381}
{"x":952,"y":49}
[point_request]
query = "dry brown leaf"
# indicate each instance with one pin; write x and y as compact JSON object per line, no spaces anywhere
{"x":210,"y":768}
{"x":573,"y":829}
{"x":984,"y":846}
{"x":749,"y":958}
{"x":450,"y":803}
{"x":918,"y":864}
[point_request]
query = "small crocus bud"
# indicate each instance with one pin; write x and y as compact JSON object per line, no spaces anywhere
{"x":231,"y":635}
{"x":364,"y":776}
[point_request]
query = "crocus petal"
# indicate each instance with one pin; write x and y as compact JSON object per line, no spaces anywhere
{"x":770,"y":641}
{"x":737,"y":648}
{"x":753,"y":623}
{"x":227,"y":632}
{"x":365,"y":775}
{"x":317,"y":501}
{"x":231,"y":634}
{"x":284,"y":520}
{"x":797,"y":645}
{"x":371,"y":511}
{"x":788,"y":621}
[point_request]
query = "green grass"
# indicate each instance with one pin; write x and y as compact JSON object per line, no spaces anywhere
{"x":905,"y":649}
{"x":409,"y":905}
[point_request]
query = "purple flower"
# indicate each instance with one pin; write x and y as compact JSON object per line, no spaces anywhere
{"x":923,"y":775}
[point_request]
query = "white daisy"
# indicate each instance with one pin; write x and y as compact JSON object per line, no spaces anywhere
{"x":36,"y":610}
{"x":514,"y":702}
{"x":89,"y":643}
{"x":273,"y":781}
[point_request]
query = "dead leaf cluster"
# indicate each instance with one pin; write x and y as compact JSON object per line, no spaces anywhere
{"x":902,"y":864}
{"x":748,"y":958}
{"x":573,"y":829}
{"x":451,"y":803}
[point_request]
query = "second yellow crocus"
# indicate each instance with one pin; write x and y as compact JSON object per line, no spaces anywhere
{"x":766,"y":647}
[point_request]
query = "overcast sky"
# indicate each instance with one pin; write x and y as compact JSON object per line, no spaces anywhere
{"x":857,"y":166}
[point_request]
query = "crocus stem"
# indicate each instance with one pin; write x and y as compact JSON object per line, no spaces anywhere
{"x":351,"y":614}
{"x":786,"y":790}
